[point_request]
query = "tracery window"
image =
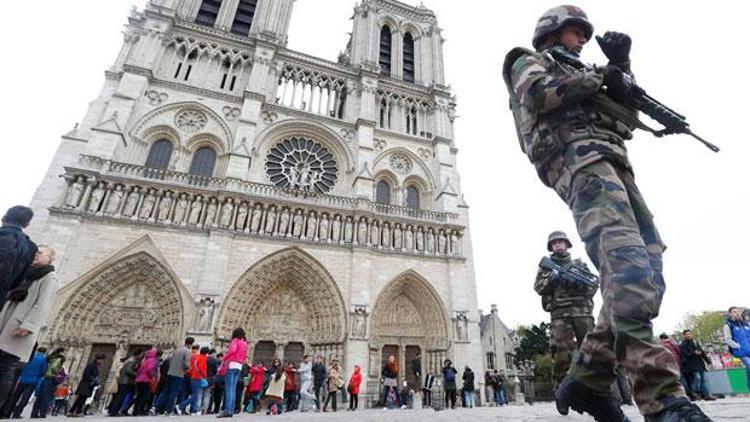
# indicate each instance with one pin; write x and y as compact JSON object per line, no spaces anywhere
{"x":412,"y":197}
{"x":383,"y":192}
{"x":411,"y":120}
{"x":243,"y":19}
{"x":385,"y":114}
{"x":158,"y":158}
{"x":385,"y":50}
{"x":408,"y":58}
{"x":203,"y":162}
{"x":208,"y":12}
{"x":301,"y":163}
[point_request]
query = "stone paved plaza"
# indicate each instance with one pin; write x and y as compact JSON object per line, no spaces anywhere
{"x":731,"y":409}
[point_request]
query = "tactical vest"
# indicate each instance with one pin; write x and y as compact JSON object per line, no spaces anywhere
{"x":565,"y":302}
{"x":561,"y":142}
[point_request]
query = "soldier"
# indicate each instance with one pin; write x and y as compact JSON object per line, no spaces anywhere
{"x":579,"y":152}
{"x":571,"y":307}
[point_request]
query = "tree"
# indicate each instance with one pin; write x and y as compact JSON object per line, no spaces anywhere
{"x":533,"y":342}
{"x":706,"y":326}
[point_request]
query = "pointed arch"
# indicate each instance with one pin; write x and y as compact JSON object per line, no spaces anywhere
{"x":426,"y":174}
{"x":287,"y":296}
{"x":410,"y":307}
{"x":133,"y":296}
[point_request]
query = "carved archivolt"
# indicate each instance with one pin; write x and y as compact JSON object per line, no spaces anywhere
{"x":286,"y":296}
{"x":409,"y":308}
{"x":135,"y":299}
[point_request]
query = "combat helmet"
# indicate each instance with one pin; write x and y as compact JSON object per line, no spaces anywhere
{"x":558,"y":235}
{"x":556,"y":18}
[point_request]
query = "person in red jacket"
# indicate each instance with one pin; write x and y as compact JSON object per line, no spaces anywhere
{"x":255,"y":388}
{"x":198,"y":373}
{"x":290,"y":388}
{"x":353,"y":388}
{"x":674,"y":348}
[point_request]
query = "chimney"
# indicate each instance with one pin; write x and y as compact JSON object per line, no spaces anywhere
{"x":494,"y":308}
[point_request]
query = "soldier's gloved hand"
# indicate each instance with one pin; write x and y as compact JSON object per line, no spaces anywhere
{"x":616,"y":46}
{"x":618,"y":84}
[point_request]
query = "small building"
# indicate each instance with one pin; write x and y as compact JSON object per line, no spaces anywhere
{"x":498,"y":349}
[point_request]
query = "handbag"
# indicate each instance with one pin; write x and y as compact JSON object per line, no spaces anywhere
{"x":204,"y":383}
{"x":349,"y":389}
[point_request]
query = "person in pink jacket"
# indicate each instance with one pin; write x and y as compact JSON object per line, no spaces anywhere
{"x":234,"y":358}
{"x":147,"y":372}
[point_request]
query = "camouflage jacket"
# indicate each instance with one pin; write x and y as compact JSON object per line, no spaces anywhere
{"x":558,"y":126}
{"x":564,"y":301}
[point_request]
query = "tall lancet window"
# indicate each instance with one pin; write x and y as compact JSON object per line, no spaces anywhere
{"x":243,"y":19}
{"x":408,"y":58}
{"x":208,"y":12}
{"x":385,"y":50}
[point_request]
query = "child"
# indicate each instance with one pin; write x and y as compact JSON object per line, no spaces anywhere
{"x":62,"y":392}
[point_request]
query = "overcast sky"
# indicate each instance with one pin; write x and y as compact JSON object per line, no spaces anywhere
{"x":690,"y":55}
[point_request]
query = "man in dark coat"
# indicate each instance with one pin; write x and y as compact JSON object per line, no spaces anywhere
{"x":319,"y":376}
{"x":16,"y":249}
{"x":89,"y":380}
{"x":694,"y":365}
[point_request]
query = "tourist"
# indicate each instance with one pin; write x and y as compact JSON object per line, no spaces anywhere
{"x":390,"y":383}
{"x":146,"y":375}
{"x":55,"y":375}
{"x":499,"y":379}
{"x":212,"y":368}
{"x":179,"y":362}
{"x":26,"y":310}
{"x":416,"y":367}
{"x":60,"y":405}
{"x":737,"y":337}
{"x":257,"y":375}
{"x":162,"y":388}
{"x":306,"y":395}
{"x":319,"y":377}
{"x":198,"y":373}
{"x":218,"y":391}
{"x":694,"y":365}
{"x":353,"y":388}
{"x":30,"y":376}
{"x":429,"y":379}
{"x":404,"y":396}
{"x":449,"y":383}
{"x":674,"y":349}
{"x":468,"y":389}
{"x":275,"y":390}
{"x":290,"y":388}
{"x":86,"y":386}
{"x":125,"y":384}
{"x":17,"y":251}
{"x":335,"y":383}
{"x":230,"y":368}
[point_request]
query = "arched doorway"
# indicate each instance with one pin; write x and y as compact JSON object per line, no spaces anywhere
{"x":409,"y":319}
{"x":289,"y":305}
{"x":126,"y":303}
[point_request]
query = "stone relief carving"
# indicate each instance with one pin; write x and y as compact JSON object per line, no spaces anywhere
{"x":230,"y":113}
{"x":358,"y":317}
{"x":461,"y":326}
{"x":190,"y":120}
{"x":155,"y":98}
{"x":205,"y":308}
{"x":379,"y":144}
{"x":400,"y":164}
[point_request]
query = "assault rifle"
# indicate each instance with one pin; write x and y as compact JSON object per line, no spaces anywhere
{"x":673,"y":122}
{"x":569,"y":275}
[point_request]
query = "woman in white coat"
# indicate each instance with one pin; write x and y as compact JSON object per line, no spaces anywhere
{"x":307,"y":397}
{"x":25,"y":313}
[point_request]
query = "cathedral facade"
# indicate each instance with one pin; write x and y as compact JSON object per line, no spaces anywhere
{"x":222,"y":180}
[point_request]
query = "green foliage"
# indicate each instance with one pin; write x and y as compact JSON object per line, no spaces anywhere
{"x":706,"y":326}
{"x":534,"y":341}
{"x":543,"y":368}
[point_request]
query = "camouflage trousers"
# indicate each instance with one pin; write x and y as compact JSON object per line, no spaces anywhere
{"x":622,"y":241}
{"x":566,"y":336}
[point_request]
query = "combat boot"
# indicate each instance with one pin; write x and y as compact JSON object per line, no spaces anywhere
{"x":571,"y":394}
{"x":679,"y":410}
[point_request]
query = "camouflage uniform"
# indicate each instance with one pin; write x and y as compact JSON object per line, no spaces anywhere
{"x":580,"y":153}
{"x":571,"y":311}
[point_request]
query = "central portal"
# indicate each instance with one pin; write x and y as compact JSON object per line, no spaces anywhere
{"x":289,"y":305}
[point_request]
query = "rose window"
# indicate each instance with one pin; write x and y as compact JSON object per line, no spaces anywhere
{"x":300,"y":163}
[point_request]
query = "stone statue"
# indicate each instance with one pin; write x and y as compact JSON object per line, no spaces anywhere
{"x":441,"y":243}
{"x":284,"y":222}
{"x":226,"y":213}
{"x":211,"y":212}
{"x":461,"y":326}
{"x":454,"y":243}
{"x":131,"y":202}
{"x":312,"y":226}
{"x":348,"y":230}
{"x":375,"y":234}
{"x":408,"y":239}
{"x":430,"y":241}
{"x":180,"y":210}
{"x":336,"y":229}
{"x":164,"y":206}
{"x":74,"y":193}
{"x":96,"y":197}
{"x":420,"y":240}
{"x":386,"y":236}
{"x":271,"y":220}
{"x":114,"y":201}
{"x":239,"y":223}
{"x":299,"y":223}
{"x":204,"y":316}
{"x":147,"y":206}
{"x":359,"y":323}
{"x":362,"y":231}
{"x":195,"y":211}
{"x":397,"y":237}
{"x":323,"y":232}
{"x":255,"y":218}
